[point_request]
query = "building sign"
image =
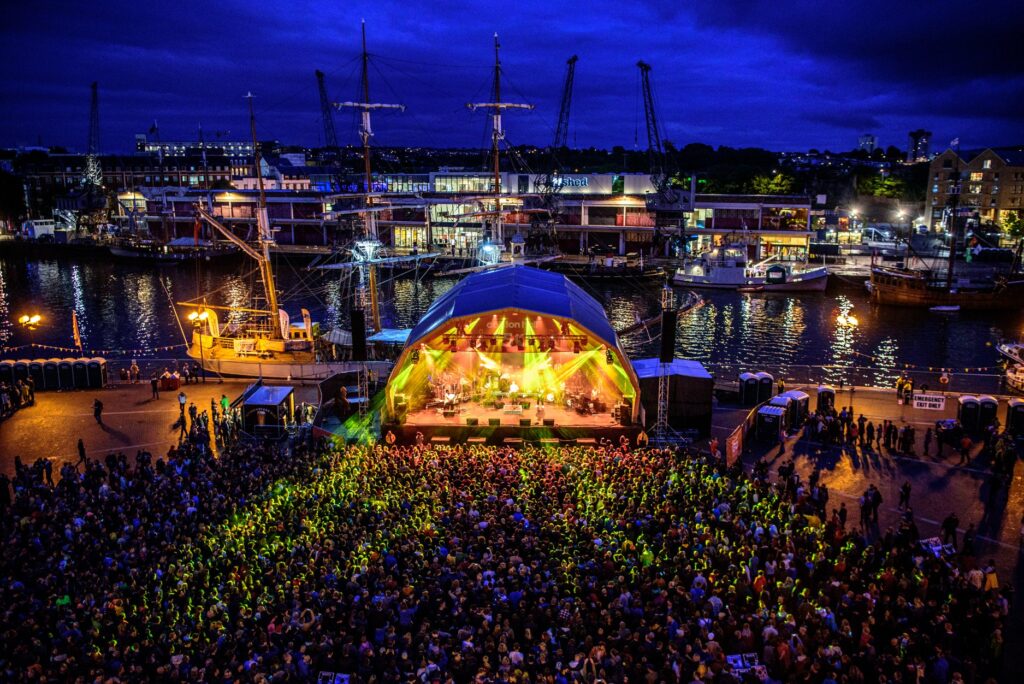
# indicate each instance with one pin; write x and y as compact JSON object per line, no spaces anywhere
{"x":570,"y":182}
{"x":931,"y":402}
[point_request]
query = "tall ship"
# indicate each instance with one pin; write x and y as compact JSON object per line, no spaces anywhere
{"x":261,"y":341}
{"x":726,"y":268}
{"x":944,"y":289}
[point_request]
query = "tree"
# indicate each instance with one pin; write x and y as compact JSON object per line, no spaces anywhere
{"x":779,"y":184}
{"x":1013,"y":224}
{"x":882,"y":186}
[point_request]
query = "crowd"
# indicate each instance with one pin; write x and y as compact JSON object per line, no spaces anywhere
{"x":20,"y":394}
{"x":467,"y":564}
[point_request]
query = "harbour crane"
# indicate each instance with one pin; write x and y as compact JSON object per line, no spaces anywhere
{"x":330,"y":135}
{"x":549,"y":183}
{"x":668,"y":202}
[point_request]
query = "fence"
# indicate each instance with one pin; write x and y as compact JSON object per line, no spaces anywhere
{"x":980,"y":381}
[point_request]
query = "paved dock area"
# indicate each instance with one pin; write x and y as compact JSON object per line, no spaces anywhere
{"x":940,"y":485}
{"x":132,"y":420}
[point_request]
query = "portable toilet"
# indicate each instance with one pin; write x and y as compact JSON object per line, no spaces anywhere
{"x":1015,"y":417}
{"x":800,"y":407}
{"x":826,"y":398}
{"x":787,"y":405}
{"x":97,"y":373}
{"x":765,"y":386}
{"x":988,"y":411}
{"x":21,"y":369}
{"x":967,"y":412}
{"x":51,"y":376}
{"x":81,"y":372}
{"x":7,"y":372}
{"x":35,"y":371}
{"x":748,"y":389}
{"x":66,"y":374}
{"x":769,"y":423}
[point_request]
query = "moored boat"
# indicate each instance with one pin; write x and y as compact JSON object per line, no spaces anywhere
{"x":726,"y":268}
{"x":904,"y":287}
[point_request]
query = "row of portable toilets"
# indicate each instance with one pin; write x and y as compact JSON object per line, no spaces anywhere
{"x":56,"y":374}
{"x":756,"y":388}
{"x":789,"y":409}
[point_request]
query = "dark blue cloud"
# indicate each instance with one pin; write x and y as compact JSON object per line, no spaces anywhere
{"x":785,"y":75}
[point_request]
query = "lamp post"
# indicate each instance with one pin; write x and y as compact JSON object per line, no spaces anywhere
{"x":30,"y":322}
{"x":197,"y":318}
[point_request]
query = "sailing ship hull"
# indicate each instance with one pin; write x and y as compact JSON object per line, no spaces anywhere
{"x":913,"y":291}
{"x":277,"y":370}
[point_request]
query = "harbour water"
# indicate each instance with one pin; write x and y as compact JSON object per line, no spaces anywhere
{"x":124,"y":309}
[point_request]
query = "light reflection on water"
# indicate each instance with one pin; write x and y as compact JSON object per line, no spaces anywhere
{"x":126,"y":307}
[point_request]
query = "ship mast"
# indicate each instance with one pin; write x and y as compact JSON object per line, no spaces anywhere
{"x":954,"y":202}
{"x":497,"y":134}
{"x":369,"y":218}
{"x":264,"y":236}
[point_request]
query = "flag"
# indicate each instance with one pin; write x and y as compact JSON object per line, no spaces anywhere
{"x":955,"y":142}
{"x":74,"y":330}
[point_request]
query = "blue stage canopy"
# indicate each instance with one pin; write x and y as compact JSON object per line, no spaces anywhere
{"x":518,"y":287}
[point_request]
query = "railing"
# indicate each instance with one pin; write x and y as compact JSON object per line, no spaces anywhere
{"x":960,"y":381}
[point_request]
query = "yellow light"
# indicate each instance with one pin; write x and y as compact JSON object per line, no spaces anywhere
{"x":193,"y":316}
{"x":23,"y":320}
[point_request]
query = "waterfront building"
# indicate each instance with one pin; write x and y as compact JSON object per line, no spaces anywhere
{"x":179,"y":148}
{"x":602,"y":213}
{"x":991,"y":185}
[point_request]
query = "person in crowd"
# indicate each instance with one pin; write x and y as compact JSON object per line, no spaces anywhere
{"x":467,"y":563}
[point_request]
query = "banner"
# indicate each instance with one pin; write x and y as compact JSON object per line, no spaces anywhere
{"x":734,"y":445}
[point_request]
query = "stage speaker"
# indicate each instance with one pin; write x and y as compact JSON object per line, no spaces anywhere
{"x":525,"y":422}
{"x":472,"y":421}
{"x":549,"y":422}
{"x":358,"y":335}
{"x":668,"y":336}
{"x":494,"y":422}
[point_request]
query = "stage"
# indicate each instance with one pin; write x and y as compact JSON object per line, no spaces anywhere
{"x":511,"y":424}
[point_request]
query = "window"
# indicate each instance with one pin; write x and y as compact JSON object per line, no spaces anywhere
{"x":947,"y":163}
{"x":975,"y":189}
{"x":977,"y":176}
{"x":987,"y":164}
{"x":935,"y":188}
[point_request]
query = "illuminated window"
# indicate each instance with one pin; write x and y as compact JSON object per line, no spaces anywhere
{"x":977,"y":176}
{"x":987,"y":164}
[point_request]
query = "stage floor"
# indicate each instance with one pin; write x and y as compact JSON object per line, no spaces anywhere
{"x":508,"y":417}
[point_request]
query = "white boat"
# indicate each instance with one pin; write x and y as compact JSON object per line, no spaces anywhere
{"x":1014,"y":351}
{"x":726,"y":268}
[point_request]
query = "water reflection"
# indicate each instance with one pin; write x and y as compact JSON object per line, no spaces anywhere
{"x":124,"y":306}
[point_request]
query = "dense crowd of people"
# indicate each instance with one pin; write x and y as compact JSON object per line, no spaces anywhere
{"x":17,"y":395}
{"x":468,"y":564}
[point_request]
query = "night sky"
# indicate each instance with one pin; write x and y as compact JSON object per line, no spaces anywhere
{"x":780,"y":75}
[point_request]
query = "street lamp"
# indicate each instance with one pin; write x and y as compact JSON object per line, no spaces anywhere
{"x":30,"y":322}
{"x":197,"y":318}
